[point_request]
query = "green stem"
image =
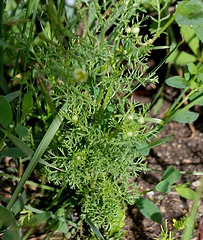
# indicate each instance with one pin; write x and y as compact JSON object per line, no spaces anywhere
{"x":47,"y":97}
{"x":31,"y":183}
{"x":3,"y":83}
{"x":173,"y":115}
{"x":30,"y":34}
{"x":187,"y":234}
{"x":26,"y":236}
{"x":22,"y":35}
{"x":175,"y":103}
{"x":168,"y":23}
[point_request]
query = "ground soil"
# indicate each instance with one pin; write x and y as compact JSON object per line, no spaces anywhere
{"x":185,"y":153}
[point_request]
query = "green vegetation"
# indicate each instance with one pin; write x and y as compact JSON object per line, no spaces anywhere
{"x":68,"y":115}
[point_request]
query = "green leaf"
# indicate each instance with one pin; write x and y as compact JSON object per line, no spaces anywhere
{"x":186,"y":193}
{"x":11,"y":96}
{"x":164,"y":186}
{"x":160,"y":141}
{"x":149,"y":209}
{"x":94,"y":228}
{"x":177,"y":82}
{"x":19,"y":203}
{"x":196,"y":95}
{"x":171,"y":175}
{"x":12,"y":234}
{"x":192,"y":68}
{"x":143,"y":148}
{"x":64,"y":228}
{"x":21,"y":131}
{"x":189,"y":36}
{"x":199,"y":32}
{"x":185,"y":117}
{"x":12,"y":152}
{"x":191,"y":14}
{"x":9,"y":223}
{"x":6,"y":114}
{"x":181,"y":58}
{"x":27,"y":103}
{"x":37,"y":219}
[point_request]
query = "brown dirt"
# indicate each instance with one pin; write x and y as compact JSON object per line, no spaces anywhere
{"x":185,"y":153}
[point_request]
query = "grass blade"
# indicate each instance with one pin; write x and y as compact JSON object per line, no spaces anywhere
{"x":38,"y":154}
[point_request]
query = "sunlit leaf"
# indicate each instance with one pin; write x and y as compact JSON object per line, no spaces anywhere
{"x":189,"y":36}
{"x":196,"y":95}
{"x":199,"y":32}
{"x":191,"y":14}
{"x":186,"y":193}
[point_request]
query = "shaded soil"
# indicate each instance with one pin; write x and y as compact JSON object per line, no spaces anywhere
{"x":185,"y":153}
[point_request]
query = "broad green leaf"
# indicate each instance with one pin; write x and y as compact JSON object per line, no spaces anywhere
{"x":163,"y":186}
{"x":196,"y":95}
{"x":177,"y":82}
{"x":63,"y":228}
{"x":9,"y":224}
{"x":171,"y":175}
{"x":27,"y":103}
{"x":12,"y":152}
{"x":6,"y":218}
{"x":185,"y":117}
{"x":199,"y":32}
{"x":191,"y":14}
{"x":181,"y":58}
{"x":192,"y":68}
{"x":186,"y":193}
{"x":12,"y":234}
{"x":143,"y":148}
{"x":6,"y":114}
{"x":37,"y":219}
{"x":189,"y":36}
{"x":21,"y":131}
{"x":94,"y":228}
{"x":149,"y":209}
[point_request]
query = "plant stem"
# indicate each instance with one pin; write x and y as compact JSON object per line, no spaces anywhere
{"x":30,"y":34}
{"x":3,"y":83}
{"x":31,"y":183}
{"x":187,"y":234}
{"x":168,"y":23}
